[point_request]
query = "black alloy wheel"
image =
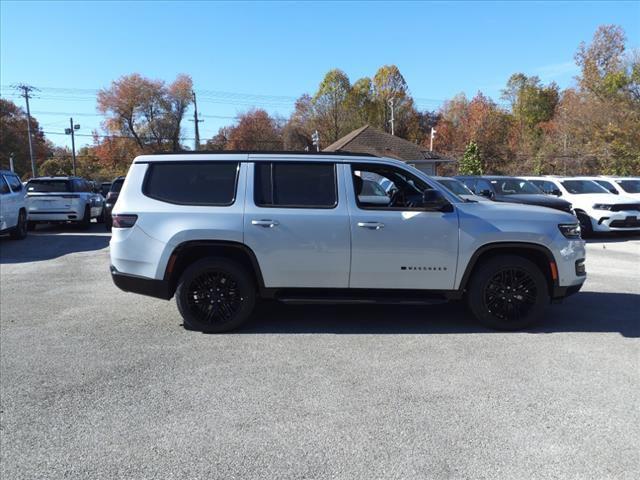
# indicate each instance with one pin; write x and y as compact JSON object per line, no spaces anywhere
{"x":507,"y":292}
{"x":215,"y":295}
{"x":510,"y":294}
{"x":20,"y":231}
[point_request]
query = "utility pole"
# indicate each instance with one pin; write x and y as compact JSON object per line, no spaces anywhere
{"x":196,"y":120}
{"x":11,"y":162}
{"x":70,"y":131}
{"x":26,"y":89}
{"x":392,"y":118}
{"x":433,"y":135}
{"x":315,"y":136}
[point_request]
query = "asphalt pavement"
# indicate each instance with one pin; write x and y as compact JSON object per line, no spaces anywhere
{"x":96,"y":383}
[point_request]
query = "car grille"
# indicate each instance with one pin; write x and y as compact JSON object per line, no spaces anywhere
{"x":625,"y":207}
{"x":630,"y":222}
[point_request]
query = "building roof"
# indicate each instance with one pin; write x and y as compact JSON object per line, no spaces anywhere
{"x":369,"y":140}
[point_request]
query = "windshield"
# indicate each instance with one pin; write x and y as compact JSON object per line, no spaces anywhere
{"x":456,"y":187}
{"x":579,"y":187}
{"x":49,"y":186}
{"x":513,"y":186}
{"x":630,"y":186}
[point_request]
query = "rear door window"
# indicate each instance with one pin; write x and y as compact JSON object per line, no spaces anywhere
{"x":295,"y":185}
{"x":192,"y":183}
{"x":14,"y":182}
{"x":4,"y":187}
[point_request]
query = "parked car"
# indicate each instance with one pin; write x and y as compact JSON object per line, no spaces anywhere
{"x":220,"y":230}
{"x":63,"y":200}
{"x":456,"y":186}
{"x":512,"y":190}
{"x":597,"y":209}
{"x":13,"y":211}
{"x":627,"y":186}
{"x":104,"y":188}
{"x":112,"y":197}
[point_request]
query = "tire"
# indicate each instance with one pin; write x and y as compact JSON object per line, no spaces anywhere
{"x":100,"y":219}
{"x":31,"y":226}
{"x":226,"y":277}
{"x":513,"y":277}
{"x":586,"y":228}
{"x":20,"y":230}
{"x":86,"y":218}
{"x":108,"y":223}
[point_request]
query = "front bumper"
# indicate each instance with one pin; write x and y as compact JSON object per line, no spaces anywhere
{"x":624,"y":221}
{"x":141,"y":285}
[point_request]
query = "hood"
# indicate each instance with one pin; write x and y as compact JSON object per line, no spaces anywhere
{"x":475,"y":198}
{"x":510,"y":212}
{"x":535,"y":199}
{"x":589,"y":199}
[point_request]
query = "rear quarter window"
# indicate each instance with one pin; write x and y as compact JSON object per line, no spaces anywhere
{"x":192,"y":183}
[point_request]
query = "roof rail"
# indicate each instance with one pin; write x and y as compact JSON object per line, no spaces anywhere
{"x":267,"y":152}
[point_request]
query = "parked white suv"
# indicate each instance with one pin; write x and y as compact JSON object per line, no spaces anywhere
{"x":63,"y":199}
{"x":597,"y":209}
{"x":220,"y":230}
{"x":626,"y":186}
{"x":13,"y":212}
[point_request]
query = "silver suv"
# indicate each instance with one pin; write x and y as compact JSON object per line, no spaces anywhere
{"x":220,"y":230}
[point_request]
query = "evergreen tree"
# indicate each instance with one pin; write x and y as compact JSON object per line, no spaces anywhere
{"x":471,"y":164}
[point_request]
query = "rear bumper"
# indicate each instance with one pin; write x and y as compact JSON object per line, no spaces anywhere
{"x":54,"y":216}
{"x":141,"y":285}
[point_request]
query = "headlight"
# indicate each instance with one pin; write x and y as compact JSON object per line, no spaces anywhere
{"x":570,"y":230}
{"x":602,"y":206}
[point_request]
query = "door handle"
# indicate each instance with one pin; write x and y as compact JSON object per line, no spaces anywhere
{"x":265,"y":223}
{"x":371,"y":225}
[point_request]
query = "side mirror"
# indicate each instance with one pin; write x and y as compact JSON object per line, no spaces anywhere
{"x":486,"y":193}
{"x":434,"y":200}
{"x":556,"y":192}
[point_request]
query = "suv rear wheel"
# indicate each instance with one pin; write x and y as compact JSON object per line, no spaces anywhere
{"x":20,"y":230}
{"x":215,"y":295}
{"x":86,"y":218}
{"x":507,"y":292}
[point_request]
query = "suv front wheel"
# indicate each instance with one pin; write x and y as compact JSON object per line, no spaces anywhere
{"x":215,"y":295}
{"x":508,"y":292}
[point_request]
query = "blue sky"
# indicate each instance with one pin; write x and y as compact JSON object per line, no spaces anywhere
{"x":279,"y":51}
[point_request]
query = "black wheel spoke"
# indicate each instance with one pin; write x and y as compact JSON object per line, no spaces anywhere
{"x":510,"y":294}
{"x":213,"y":297}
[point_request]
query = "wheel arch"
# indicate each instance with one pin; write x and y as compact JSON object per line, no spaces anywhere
{"x":538,"y":254}
{"x":193,"y":250}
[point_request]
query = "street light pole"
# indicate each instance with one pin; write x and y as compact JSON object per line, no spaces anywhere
{"x":25,"y":93}
{"x":70,"y":131}
{"x":392,"y":118}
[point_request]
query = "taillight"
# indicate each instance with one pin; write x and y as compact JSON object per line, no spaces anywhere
{"x":124,"y":221}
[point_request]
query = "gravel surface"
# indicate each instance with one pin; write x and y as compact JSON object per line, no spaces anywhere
{"x":97,"y":383}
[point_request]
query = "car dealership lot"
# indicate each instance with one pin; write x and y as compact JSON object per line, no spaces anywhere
{"x":97,"y":383}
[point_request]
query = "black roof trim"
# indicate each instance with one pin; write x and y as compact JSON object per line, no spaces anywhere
{"x":264,"y":152}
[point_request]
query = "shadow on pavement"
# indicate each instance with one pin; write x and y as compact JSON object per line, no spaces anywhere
{"x":53,"y":241}
{"x":584,"y":312}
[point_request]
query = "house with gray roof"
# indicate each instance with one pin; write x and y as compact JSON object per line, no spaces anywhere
{"x":376,"y":142}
